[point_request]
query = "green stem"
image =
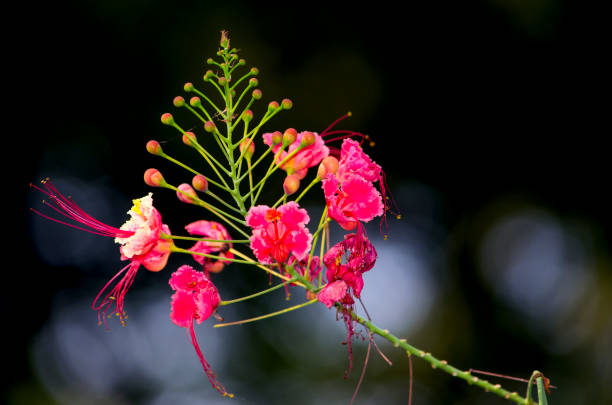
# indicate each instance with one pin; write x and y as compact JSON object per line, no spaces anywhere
{"x":222,"y":201}
{"x":541,"y":391}
{"x":184,"y":166}
{"x":257,"y":294}
{"x":270,"y":315}
{"x":199,"y":93}
{"x":193,"y":238}
{"x":303,"y":193}
{"x":191,"y":252}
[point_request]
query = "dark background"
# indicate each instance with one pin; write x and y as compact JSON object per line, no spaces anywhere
{"x":497,"y":109}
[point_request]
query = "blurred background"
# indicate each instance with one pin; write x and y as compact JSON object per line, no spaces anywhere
{"x":486,"y":116}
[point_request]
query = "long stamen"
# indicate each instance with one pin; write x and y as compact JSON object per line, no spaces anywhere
{"x":68,"y":208}
{"x":333,"y":124}
{"x":207,"y":370}
{"x":116,"y":295}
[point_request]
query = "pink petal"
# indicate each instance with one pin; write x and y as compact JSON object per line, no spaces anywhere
{"x":293,"y":215}
{"x":256,"y":217}
{"x":183,"y":308}
{"x":332,"y":293}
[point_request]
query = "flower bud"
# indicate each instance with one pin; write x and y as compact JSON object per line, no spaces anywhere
{"x":308,"y":139}
{"x":210,"y":61}
{"x":273,"y":105}
{"x":216,"y":267}
{"x":257,"y":94}
{"x":188,"y":87}
{"x":209,"y":126}
{"x":329,"y":165}
{"x":248,"y":116}
{"x":178,"y":101}
{"x":167,"y":119}
{"x":208,"y":75}
{"x":153,"y":178}
{"x":249,"y":146}
{"x":241,"y":62}
{"x":189,"y":139}
{"x":195,"y":102}
{"x":200,"y":183}
{"x":222,"y":81}
{"x":277,"y":138}
{"x":291,"y":184}
{"x":289,"y":136}
{"x":224,"y":42}
{"x":310,"y":295}
{"x":254,"y":71}
{"x":154,"y":148}
{"x":253,"y":82}
{"x":287,"y":104}
{"x":186,"y":193}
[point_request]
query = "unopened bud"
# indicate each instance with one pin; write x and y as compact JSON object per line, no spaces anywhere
{"x":310,"y":295}
{"x":254,"y":71}
{"x":249,"y":146}
{"x":209,"y":126}
{"x":200,"y":183}
{"x":154,"y":148}
{"x":308,"y":139}
{"x":222,"y":81}
{"x":289,"y":136}
{"x":189,"y":139}
{"x":248,"y":116}
{"x":186,"y":193}
{"x":195,"y":101}
{"x":291,"y":184}
{"x":224,"y":42}
{"x":208,"y":75}
{"x":153,"y":178}
{"x":273,"y":106}
{"x":329,"y":165}
{"x":210,"y":61}
{"x":167,"y":119}
{"x":253,"y":82}
{"x":178,"y":101}
{"x":188,"y":87}
{"x":257,"y":94}
{"x":241,"y":62}
{"x":276,"y":138}
{"x":287,"y":104}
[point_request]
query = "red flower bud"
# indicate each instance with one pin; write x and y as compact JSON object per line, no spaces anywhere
{"x":308,"y":139}
{"x":249,"y":146}
{"x":195,"y":101}
{"x":167,"y":119}
{"x":189,"y":139}
{"x":273,"y":105}
{"x":257,"y":94}
{"x":178,"y":101}
{"x":254,"y":71}
{"x":154,"y":148}
{"x":291,"y":184}
{"x":153,"y":178}
{"x":329,"y":165}
{"x":287,"y":104}
{"x":200,"y":183}
{"x":248,"y":116}
{"x":186,"y":193}
{"x":289,"y":136}
{"x":188,"y":87}
{"x":277,"y":138}
{"x":253,"y":82}
{"x":209,"y":126}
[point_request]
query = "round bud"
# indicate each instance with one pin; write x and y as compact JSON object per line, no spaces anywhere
{"x":195,"y":101}
{"x":200,"y":183}
{"x":154,"y":148}
{"x":189,"y":138}
{"x":209,"y":126}
{"x":186,"y":193}
{"x":241,"y":62}
{"x":287,"y":104}
{"x":310,"y":295}
{"x":208,"y":75}
{"x":216,"y":267}
{"x":273,"y":105}
{"x":308,"y":139}
{"x":248,"y":116}
{"x":233,"y":93}
{"x":257,"y":94}
{"x":167,"y":119}
{"x":289,"y":136}
{"x":253,"y":82}
{"x":249,"y":146}
{"x":277,"y":138}
{"x":329,"y":165}
{"x":178,"y":101}
{"x":188,"y":87}
{"x":291,"y":184}
{"x":222,"y":65}
{"x":254,"y":71}
{"x":153,"y":178}
{"x":222,"y":81}
{"x":210,"y":61}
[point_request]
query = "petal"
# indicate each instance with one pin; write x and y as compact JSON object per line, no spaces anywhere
{"x":293,"y":216}
{"x":256,"y":217}
{"x":183,"y":308}
{"x":332,"y":293}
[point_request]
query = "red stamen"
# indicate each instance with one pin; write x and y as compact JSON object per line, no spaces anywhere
{"x":207,"y":370}
{"x":117,"y":294}
{"x":68,"y":208}
{"x":333,"y":124}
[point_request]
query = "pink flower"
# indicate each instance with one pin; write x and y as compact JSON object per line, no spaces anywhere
{"x":195,"y":299}
{"x":308,"y":156}
{"x":211,"y":230}
{"x":279,"y":232}
{"x":140,"y":239}
{"x":354,"y":161}
{"x":359,"y":256}
{"x":356,"y":199}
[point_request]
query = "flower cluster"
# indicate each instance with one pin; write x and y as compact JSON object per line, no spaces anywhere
{"x":277,"y":235}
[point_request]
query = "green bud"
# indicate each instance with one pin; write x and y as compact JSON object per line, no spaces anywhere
{"x":287,"y":104}
{"x":257,"y":94}
{"x":178,"y":101}
{"x":195,"y":101}
{"x":188,"y":87}
{"x":154,"y":148}
{"x":167,"y":119}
